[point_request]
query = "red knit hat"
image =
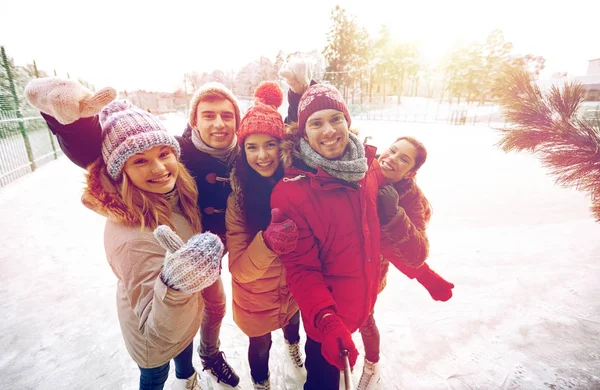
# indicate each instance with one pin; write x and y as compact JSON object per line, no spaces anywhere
{"x":263,"y":117}
{"x":320,"y":97}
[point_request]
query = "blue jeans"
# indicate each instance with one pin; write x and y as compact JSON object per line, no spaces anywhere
{"x":212,"y":317}
{"x":259,"y":348}
{"x":155,"y":378}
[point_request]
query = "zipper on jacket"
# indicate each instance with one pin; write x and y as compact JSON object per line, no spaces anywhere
{"x":296,"y":178}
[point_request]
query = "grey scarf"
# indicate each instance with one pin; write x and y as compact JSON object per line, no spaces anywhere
{"x":226,"y":156}
{"x":352,"y":167}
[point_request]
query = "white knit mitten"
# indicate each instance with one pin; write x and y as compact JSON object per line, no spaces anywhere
{"x":297,"y":73}
{"x":193,"y":266}
{"x":66,"y":100}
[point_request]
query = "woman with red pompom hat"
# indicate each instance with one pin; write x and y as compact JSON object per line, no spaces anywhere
{"x":256,"y":236}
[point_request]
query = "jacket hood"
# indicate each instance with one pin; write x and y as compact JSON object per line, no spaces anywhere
{"x":290,"y":145}
{"x":234,"y":182}
{"x":102,"y":197}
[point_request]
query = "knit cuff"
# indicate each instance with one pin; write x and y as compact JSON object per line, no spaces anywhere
{"x":319,"y":323}
{"x":167,"y":283}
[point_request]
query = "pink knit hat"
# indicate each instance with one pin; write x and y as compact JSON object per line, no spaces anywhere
{"x":127,"y":130}
{"x":320,"y":97}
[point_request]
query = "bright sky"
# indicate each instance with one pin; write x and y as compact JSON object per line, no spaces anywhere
{"x":130,"y":44}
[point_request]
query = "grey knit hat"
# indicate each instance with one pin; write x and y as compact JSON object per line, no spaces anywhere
{"x":127,"y":130}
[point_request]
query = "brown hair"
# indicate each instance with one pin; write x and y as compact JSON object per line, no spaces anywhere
{"x":153,"y":209}
{"x":255,"y":193}
{"x":421,"y":151}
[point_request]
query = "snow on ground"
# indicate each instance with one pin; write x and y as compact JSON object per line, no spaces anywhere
{"x":523,"y":253}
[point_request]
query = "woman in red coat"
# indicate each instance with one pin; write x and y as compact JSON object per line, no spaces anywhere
{"x":404,"y":212}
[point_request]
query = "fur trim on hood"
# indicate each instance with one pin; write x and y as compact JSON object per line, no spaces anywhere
{"x":234,"y":181}
{"x":101,"y":196}
{"x":290,"y":145}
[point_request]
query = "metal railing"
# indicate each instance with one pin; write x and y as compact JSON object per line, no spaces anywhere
{"x":426,"y":110}
{"x":25,"y":144}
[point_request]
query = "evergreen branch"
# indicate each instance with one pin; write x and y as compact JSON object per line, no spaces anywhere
{"x":546,"y":125}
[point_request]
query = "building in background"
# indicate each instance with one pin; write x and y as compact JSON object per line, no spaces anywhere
{"x":590,"y":81}
{"x":157,"y":102}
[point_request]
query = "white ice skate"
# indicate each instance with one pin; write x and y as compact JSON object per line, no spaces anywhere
{"x":370,"y":378}
{"x":264,"y":385}
{"x":295,"y":354}
{"x":190,"y":383}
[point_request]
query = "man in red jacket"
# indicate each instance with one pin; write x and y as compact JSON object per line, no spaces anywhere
{"x":330,"y":192}
{"x":403,"y":217}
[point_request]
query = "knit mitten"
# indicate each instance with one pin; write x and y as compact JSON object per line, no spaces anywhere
{"x":281,"y":236}
{"x":439,"y":288}
{"x":193,"y":266}
{"x":297,"y":73}
{"x":66,"y":100}
{"x":335,"y":338}
{"x":387,"y":204}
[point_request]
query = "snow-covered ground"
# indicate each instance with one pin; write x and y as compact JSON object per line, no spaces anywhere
{"x":523,"y":253}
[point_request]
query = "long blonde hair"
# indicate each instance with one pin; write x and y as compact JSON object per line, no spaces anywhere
{"x":153,"y":209}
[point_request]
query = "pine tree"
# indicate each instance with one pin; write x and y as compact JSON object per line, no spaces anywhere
{"x":546,"y":124}
{"x":346,"y":50}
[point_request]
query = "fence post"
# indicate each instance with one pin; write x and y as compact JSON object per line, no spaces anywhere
{"x":18,"y":111}
{"x":37,"y":75}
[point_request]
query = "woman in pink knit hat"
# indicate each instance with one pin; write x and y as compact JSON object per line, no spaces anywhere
{"x":141,"y":187}
{"x":208,"y":150}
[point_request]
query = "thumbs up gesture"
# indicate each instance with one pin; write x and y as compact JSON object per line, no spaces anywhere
{"x":281,"y":236}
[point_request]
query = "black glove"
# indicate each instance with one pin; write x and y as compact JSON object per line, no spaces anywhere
{"x":387,"y":204}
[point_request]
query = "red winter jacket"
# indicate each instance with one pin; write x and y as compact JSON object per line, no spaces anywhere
{"x":336,"y":262}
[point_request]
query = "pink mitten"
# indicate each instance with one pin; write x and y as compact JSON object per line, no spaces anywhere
{"x":281,"y":236}
{"x":297,"y":74}
{"x":66,"y":100}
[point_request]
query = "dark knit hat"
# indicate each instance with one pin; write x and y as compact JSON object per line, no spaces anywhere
{"x":213,"y":90}
{"x":263,"y":117}
{"x":320,"y":97}
{"x":127,"y":130}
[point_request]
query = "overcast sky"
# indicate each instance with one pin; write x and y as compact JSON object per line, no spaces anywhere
{"x":132,"y":44}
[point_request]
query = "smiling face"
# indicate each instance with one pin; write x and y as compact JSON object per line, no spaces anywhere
{"x":398,"y":161}
{"x":154,"y":170}
{"x":262,"y":153}
{"x":215,"y":121}
{"x":327,"y":133}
